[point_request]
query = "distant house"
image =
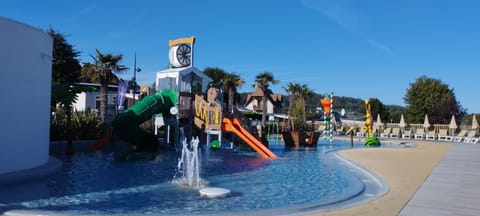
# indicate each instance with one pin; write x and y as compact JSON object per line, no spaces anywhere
{"x":255,"y":102}
{"x":91,"y":100}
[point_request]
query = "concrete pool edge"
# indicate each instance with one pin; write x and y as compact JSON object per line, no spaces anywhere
{"x":51,"y":167}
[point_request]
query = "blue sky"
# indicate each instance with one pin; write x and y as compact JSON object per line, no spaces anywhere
{"x":360,"y":49}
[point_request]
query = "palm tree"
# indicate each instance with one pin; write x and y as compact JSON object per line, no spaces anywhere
{"x":292,"y":89}
{"x":231,"y":82}
{"x":304,"y":92}
{"x":104,"y":67}
{"x":263,"y":81}
{"x":216,"y":74}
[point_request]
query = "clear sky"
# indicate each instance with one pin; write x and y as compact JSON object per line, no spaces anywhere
{"x":362,"y":49}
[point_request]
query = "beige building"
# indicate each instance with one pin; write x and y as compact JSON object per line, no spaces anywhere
{"x":255,"y":102}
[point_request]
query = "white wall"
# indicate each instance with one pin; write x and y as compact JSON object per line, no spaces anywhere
{"x":255,"y":102}
{"x":25,"y":71}
{"x":81,"y":102}
{"x":88,"y":100}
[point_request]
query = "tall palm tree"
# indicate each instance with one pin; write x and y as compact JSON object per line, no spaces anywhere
{"x":216,"y":74}
{"x":231,"y":82}
{"x":104,"y":67}
{"x":263,"y":81}
{"x":304,"y":92}
{"x":292,"y":89}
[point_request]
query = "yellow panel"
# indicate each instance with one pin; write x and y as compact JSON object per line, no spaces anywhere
{"x":189,"y":40}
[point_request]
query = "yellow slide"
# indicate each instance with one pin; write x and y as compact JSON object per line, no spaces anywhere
{"x":234,"y":126}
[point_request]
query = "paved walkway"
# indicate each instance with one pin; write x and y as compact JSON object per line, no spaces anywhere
{"x":453,"y":188}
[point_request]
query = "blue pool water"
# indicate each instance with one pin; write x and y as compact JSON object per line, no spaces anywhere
{"x":95,"y":183}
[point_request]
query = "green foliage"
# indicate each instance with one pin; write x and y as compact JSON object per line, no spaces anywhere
{"x":297,"y":111}
{"x":301,"y":125}
{"x":104,"y":67}
{"x":229,"y":81}
{"x":66,"y":95}
{"x":65,"y":65}
{"x":216,"y":74}
{"x":85,"y":125}
{"x":432,"y":97}
{"x":396,"y":112}
{"x":303,"y":93}
{"x":58,"y":125}
{"x":377,"y":107}
{"x":292,"y":89}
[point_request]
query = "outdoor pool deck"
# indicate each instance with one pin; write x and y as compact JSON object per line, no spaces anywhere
{"x":453,"y":188}
{"x":434,"y":178}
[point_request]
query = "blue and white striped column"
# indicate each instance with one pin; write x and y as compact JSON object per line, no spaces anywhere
{"x":331,"y":117}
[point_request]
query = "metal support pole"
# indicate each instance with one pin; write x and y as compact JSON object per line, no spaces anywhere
{"x":135,"y":70}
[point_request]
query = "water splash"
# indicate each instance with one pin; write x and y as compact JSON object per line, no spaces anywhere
{"x":188,"y":167}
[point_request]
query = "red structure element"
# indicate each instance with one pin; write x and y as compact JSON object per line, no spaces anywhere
{"x":326,"y":105}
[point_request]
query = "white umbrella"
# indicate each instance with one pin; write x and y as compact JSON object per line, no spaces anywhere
{"x":426,"y":124}
{"x":453,"y":125}
{"x":402,"y":123}
{"x":474,"y":123}
{"x":378,"y":123}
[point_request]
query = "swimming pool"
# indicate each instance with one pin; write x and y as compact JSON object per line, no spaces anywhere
{"x":304,"y":180}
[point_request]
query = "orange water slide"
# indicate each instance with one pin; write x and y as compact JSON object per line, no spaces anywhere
{"x":234,"y":126}
{"x":101,"y":142}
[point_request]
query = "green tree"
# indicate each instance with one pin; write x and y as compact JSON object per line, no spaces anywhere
{"x":65,"y":65}
{"x":303,"y":93}
{"x":104,"y":67}
{"x":216,"y":74}
{"x":377,"y":107}
{"x":434,"y":98}
{"x":229,"y":81}
{"x":292,"y":89}
{"x":232,"y":82}
{"x":65,"y":95}
{"x":263,"y":81}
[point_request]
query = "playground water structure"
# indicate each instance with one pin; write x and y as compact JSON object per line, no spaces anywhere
{"x":305,"y":180}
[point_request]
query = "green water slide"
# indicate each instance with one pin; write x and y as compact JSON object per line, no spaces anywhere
{"x":126,"y":125}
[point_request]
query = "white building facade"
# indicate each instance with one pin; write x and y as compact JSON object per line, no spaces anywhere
{"x":26,"y":65}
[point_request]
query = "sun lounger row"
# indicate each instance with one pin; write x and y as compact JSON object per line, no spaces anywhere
{"x":442,"y":135}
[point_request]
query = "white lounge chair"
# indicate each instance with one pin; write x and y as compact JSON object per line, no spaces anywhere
{"x":450,"y":138}
{"x":442,"y":134}
{"x":460,"y":136}
{"x":471,"y":137}
{"x":361,"y":133}
{"x":407,"y":134}
{"x":386,"y":133}
{"x":395,"y":133}
{"x":431,"y":135}
{"x":419,"y":134}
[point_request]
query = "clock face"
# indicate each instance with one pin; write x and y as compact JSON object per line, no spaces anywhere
{"x":180,"y":55}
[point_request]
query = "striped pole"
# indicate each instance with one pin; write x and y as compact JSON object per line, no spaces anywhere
{"x":331,"y":117}
{"x":325,"y":123}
